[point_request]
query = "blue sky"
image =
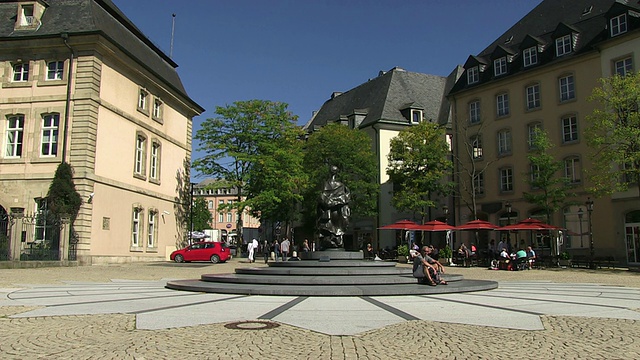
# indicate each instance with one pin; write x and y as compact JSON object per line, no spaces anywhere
{"x":300,"y":51}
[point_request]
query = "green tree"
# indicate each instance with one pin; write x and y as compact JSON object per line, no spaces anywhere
{"x":613,"y":135}
{"x":550,"y":190}
{"x":62,"y":196}
{"x":351,"y":151}
{"x":201,"y":215}
{"x":232,"y":144}
{"x":277,"y":179}
{"x":418,"y":167}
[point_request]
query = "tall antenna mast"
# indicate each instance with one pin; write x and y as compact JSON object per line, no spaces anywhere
{"x":173,"y":28}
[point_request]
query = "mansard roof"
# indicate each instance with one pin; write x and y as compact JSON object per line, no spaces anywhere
{"x":384,"y":98}
{"x":83,"y":17}
{"x":587,"y":20}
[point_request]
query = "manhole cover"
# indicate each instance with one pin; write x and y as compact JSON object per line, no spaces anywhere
{"x":252,"y":325}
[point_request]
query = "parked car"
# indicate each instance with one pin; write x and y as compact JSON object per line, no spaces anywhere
{"x":202,"y":251}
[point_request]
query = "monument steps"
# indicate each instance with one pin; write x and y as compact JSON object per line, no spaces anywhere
{"x":320,"y":275}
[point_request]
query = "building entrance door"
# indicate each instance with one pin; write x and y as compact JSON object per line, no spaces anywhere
{"x":632,"y":235}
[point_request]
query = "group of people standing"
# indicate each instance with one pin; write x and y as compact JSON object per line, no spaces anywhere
{"x":279,"y":250}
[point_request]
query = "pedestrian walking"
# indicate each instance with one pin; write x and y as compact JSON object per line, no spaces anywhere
{"x":284,"y":248}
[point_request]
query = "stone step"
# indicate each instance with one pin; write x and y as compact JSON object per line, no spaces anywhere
{"x":331,"y":290}
{"x":317,"y":280}
{"x":328,"y":271}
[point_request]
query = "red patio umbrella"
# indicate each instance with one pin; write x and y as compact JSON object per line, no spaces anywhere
{"x":433,"y":225}
{"x":400,"y":225}
{"x":529,"y":224}
{"x":477,"y":225}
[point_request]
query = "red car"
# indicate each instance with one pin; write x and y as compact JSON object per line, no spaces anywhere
{"x":202,"y":251}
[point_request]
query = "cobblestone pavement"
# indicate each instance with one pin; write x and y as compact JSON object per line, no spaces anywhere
{"x":608,"y":333}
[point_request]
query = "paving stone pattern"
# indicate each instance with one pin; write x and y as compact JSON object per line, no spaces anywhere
{"x":85,"y":313}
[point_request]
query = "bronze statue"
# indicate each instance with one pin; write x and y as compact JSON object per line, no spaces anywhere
{"x":333,"y":211}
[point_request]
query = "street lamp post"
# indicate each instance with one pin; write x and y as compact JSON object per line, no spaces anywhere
{"x":448,"y":238}
{"x":589,"y":204}
{"x":580,"y":213}
{"x":507,"y":206}
{"x":191,"y":215}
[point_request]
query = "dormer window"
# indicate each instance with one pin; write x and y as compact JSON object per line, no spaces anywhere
{"x":563,"y":45}
{"x":26,"y":15}
{"x":618,"y":25}
{"x":29,"y":14}
{"x":500,"y":66}
{"x":473,"y":75}
{"x":416,"y":116}
{"x":530,"y":56}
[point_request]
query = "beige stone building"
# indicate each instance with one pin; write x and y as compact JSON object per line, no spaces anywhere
{"x":81,"y":84}
{"x":539,"y":74}
{"x":225,"y":221}
{"x":382,"y":107}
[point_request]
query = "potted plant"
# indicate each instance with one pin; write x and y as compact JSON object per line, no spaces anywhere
{"x":564,"y":259}
{"x":445,"y":255}
{"x":403,"y":253}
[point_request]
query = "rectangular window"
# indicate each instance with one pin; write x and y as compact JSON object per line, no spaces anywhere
{"x":563,"y":45}
{"x":623,"y":67}
{"x":500,"y":66}
{"x":572,"y":169}
{"x":27,"y":17}
{"x":155,"y":161}
{"x":229,"y":217}
{"x":476,"y":147}
{"x":142,"y":100}
{"x":474,"y":112}
{"x":416,"y":116}
{"x":49,"y":139}
{"x":619,"y":25}
{"x":15,"y":131}
{"x":478,"y":183}
{"x":569,"y":129}
{"x":151,"y":240}
{"x":504,"y":142}
{"x":157,"y":109}
{"x":533,"y":97}
{"x":567,"y":88}
{"x":506,"y":179}
{"x":141,"y":146}
{"x":135,"y":229}
{"x":502,"y":102}
{"x":473,"y":75}
{"x":532,"y":129}
{"x":530,"y":56}
{"x":21,"y":72}
{"x":220,"y":214}
{"x":55,"y":70}
{"x":534,"y":171}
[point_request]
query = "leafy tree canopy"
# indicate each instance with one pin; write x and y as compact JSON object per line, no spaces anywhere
{"x":551,"y":190}
{"x":351,"y":151}
{"x":614,"y":135}
{"x":277,"y":178}
{"x":201,"y":215}
{"x":234,"y":141}
{"x":63,"y":197}
{"x":418,"y":167}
